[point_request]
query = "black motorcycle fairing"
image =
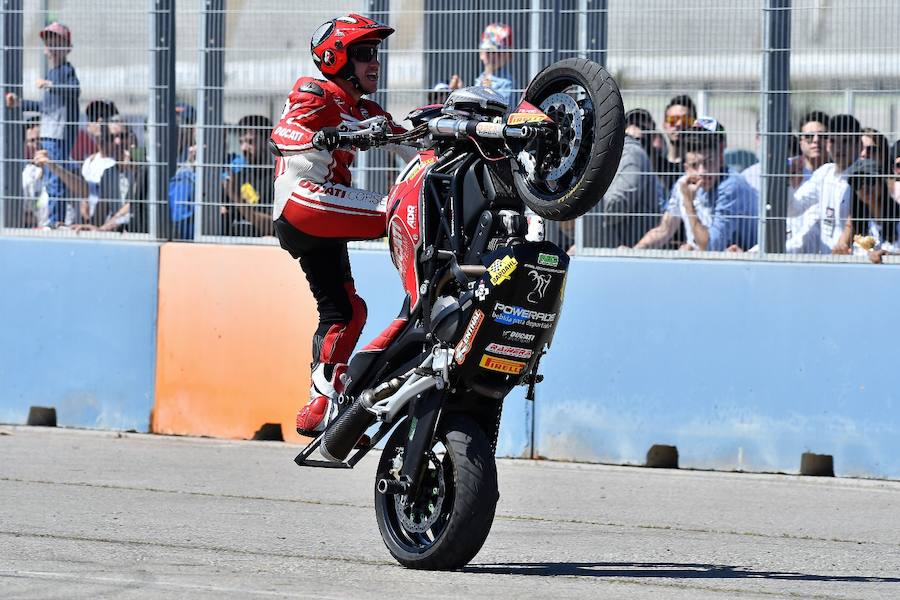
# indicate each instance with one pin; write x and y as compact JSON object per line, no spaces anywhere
{"x":516,"y":308}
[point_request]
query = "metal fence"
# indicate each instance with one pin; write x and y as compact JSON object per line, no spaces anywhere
{"x":185,"y":165}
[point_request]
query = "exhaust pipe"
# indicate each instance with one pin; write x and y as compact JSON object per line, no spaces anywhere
{"x":342,"y":435}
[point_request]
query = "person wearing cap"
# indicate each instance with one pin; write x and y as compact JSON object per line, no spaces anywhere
{"x":58,"y":108}
{"x":718,"y":208}
{"x":823,"y":202}
{"x":247,"y":182}
{"x":495,"y":52}
{"x":181,"y":185}
{"x":316,"y":211}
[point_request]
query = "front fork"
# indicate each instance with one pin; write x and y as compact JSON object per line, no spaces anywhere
{"x":424,"y":415}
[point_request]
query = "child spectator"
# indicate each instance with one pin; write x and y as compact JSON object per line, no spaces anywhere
{"x":58,"y":108}
{"x":496,"y":54}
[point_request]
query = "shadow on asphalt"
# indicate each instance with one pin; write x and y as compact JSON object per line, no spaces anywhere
{"x":667,"y":570}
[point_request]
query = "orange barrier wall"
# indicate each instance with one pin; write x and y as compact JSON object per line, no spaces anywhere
{"x":233,"y":342}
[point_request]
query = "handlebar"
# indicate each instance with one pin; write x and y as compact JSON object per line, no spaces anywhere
{"x":443,"y":127}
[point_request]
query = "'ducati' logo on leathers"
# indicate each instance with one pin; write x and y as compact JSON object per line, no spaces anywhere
{"x":501,"y":269}
{"x":540,"y":286}
{"x":501,"y":365}
{"x":465,"y":344}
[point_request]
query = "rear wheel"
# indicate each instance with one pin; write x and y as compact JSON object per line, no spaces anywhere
{"x":584,"y":101}
{"x":445,"y":526}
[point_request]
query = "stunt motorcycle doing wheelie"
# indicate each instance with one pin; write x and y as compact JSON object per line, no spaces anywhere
{"x":483,"y":297}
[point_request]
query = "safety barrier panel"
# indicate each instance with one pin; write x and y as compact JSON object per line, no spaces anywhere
{"x":741,"y":365}
{"x":78,"y":331}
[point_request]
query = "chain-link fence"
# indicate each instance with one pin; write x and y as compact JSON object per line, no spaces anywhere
{"x":113,"y":149}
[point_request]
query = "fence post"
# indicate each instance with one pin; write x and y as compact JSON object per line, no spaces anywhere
{"x":210,"y":134}
{"x":775,"y":125}
{"x":11,"y":136}
{"x":163,"y":130}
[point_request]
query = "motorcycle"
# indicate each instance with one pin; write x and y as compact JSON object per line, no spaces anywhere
{"x":482,"y":299}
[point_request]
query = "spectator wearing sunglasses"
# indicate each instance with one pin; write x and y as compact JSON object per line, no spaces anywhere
{"x":680,"y":115}
{"x":717,"y":207}
{"x":824,"y":201}
{"x":813,"y":154}
{"x":875,"y":147}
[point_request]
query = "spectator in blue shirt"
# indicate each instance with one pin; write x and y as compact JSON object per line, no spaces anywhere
{"x":58,"y":108}
{"x":718,"y":208}
{"x":181,"y":185}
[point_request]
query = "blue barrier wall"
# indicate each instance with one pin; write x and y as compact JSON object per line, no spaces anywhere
{"x":740,"y":365}
{"x":78,"y":331}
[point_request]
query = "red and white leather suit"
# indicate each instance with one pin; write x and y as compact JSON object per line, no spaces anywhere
{"x":312,"y":187}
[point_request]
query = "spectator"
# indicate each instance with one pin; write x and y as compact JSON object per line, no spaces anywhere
{"x":248,"y":181}
{"x":181,"y":186}
{"x":874,"y":226}
{"x":824,"y":200}
{"x":34,"y":201}
{"x":680,"y":115}
{"x":58,"y":108}
{"x":102,"y":185}
{"x":97,"y":111}
{"x":813,"y":135}
{"x":875,"y":147}
{"x":630,"y":206}
{"x":496,"y":54}
{"x":718,"y":209}
{"x":640,"y":125}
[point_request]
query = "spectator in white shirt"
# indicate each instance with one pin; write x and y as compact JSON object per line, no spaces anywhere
{"x":824,"y":201}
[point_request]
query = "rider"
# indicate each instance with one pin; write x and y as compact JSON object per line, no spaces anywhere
{"x":315,"y":210}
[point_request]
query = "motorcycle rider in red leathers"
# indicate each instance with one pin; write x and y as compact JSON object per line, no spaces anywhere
{"x":316,"y":211}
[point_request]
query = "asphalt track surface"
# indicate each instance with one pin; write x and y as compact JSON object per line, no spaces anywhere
{"x":87,"y":514}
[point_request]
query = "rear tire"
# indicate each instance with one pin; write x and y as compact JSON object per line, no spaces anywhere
{"x":469,"y":498}
{"x":582,"y":186}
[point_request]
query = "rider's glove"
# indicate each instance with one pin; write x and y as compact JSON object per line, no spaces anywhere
{"x":326,"y":139}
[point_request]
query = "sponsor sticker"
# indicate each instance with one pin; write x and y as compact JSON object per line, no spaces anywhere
{"x":481,"y":292}
{"x":501,"y":269}
{"x":465,"y":344}
{"x":540,"y":286}
{"x":517,"y":118}
{"x":507,"y":314}
{"x":518,"y":336}
{"x":514,"y":351}
{"x":411,"y":216}
{"x":501,"y":365}
{"x":548,"y":260}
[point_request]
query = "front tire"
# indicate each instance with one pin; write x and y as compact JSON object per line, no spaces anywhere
{"x":459,"y":486}
{"x":585,"y":102}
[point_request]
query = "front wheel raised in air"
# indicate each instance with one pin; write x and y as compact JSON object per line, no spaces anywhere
{"x":584,"y":101}
{"x":445,"y":526}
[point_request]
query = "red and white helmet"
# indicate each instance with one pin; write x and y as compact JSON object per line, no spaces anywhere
{"x":330,"y":41}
